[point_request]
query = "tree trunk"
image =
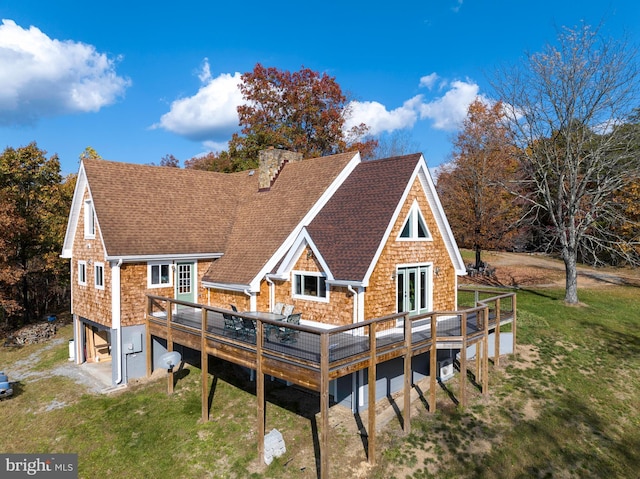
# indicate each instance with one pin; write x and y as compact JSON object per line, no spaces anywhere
{"x":571,"y":277}
{"x":478,"y":260}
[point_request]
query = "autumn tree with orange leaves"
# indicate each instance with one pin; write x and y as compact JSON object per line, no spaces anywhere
{"x":302,"y":111}
{"x":481,"y":211}
{"x":34,"y":206}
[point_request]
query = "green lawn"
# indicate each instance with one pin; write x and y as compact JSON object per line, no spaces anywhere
{"x":568,"y":405}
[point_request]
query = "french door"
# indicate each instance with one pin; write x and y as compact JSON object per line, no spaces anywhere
{"x":185,"y":284}
{"x":414,"y":289}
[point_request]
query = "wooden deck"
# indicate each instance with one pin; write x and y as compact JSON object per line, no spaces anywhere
{"x":315,"y":356}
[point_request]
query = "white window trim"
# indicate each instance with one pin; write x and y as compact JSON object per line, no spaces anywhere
{"x":318,"y":299}
{"x":89,"y":220}
{"x":429,"y":269}
{"x":95,"y":275}
{"x":414,"y":214}
{"x":82,"y":266}
{"x":150,"y":266}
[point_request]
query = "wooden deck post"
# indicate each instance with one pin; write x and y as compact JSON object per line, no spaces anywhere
{"x":148,"y":338}
{"x":479,"y":362}
{"x":513,"y":325}
{"x":324,"y":405}
{"x":485,"y":353}
{"x":463,"y":360}
{"x":169,"y":346}
{"x":407,"y":375}
{"x":496,"y":344}
{"x":260,"y":391}
{"x":433,"y":365}
{"x":204,"y":366}
{"x":371,"y":429}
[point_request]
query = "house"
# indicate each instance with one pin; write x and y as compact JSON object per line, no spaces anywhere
{"x":343,"y":240}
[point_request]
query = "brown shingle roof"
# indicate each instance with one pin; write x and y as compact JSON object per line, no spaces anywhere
{"x":148,"y":210}
{"x":351,"y":226}
{"x":266,"y":218}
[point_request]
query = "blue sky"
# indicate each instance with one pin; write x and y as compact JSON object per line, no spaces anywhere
{"x":138,"y":80}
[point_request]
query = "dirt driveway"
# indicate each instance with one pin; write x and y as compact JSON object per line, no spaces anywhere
{"x":526,"y":270}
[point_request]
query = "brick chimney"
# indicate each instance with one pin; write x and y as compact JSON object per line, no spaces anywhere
{"x":271,"y":162}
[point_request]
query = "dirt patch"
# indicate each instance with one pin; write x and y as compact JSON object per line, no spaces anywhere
{"x":528,"y":270}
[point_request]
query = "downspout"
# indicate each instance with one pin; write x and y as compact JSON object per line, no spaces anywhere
{"x":115,"y":315}
{"x":355,"y":303}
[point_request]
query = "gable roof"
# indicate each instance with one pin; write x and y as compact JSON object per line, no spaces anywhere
{"x":352,"y":228}
{"x":149,"y":211}
{"x":267,"y":222}
{"x":352,"y":224}
{"x":347,"y":207}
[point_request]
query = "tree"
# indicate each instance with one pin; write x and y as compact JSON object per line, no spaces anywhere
{"x":301,"y":111}
{"x":480,"y":209}
{"x":170,"y":161}
{"x":220,"y":162}
{"x":36,"y":201}
{"x":397,"y":143}
{"x":11,"y":273}
{"x":90,"y":153}
{"x":565,"y":106}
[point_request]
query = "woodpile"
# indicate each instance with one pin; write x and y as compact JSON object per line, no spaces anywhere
{"x":32,"y":334}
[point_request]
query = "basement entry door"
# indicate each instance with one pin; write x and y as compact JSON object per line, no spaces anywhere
{"x":185,"y":282}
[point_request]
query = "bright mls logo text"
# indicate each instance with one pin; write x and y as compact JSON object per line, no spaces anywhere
{"x":60,"y":466}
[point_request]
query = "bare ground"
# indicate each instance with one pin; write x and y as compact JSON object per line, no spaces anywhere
{"x":528,"y":270}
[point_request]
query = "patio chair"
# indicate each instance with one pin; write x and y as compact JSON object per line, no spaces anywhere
{"x":278,"y":308}
{"x":289,"y":335}
{"x":231,"y":323}
{"x":287,"y":310}
{"x":249,"y":328}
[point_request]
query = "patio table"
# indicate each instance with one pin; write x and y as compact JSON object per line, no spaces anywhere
{"x":266,"y":315}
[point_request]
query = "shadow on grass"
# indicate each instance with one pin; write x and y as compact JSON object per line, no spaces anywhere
{"x":570,"y":435}
{"x":294,"y":399}
{"x":616,"y":343}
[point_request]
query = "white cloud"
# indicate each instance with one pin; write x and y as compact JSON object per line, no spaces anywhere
{"x":376,"y":116}
{"x":40,"y":76}
{"x":209,"y":115}
{"x":448,"y":111}
{"x":445,"y":112}
{"x":215,"y":146}
{"x":429,"y":80}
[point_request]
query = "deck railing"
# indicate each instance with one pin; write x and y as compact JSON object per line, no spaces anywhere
{"x":346,"y":345}
{"x":313,"y":356}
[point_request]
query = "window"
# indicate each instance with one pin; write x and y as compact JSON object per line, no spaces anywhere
{"x":159,"y":275}
{"x":89,"y":221}
{"x":310,"y":286}
{"x":99,"y":275}
{"x":415,"y":227}
{"x":82,"y":273}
